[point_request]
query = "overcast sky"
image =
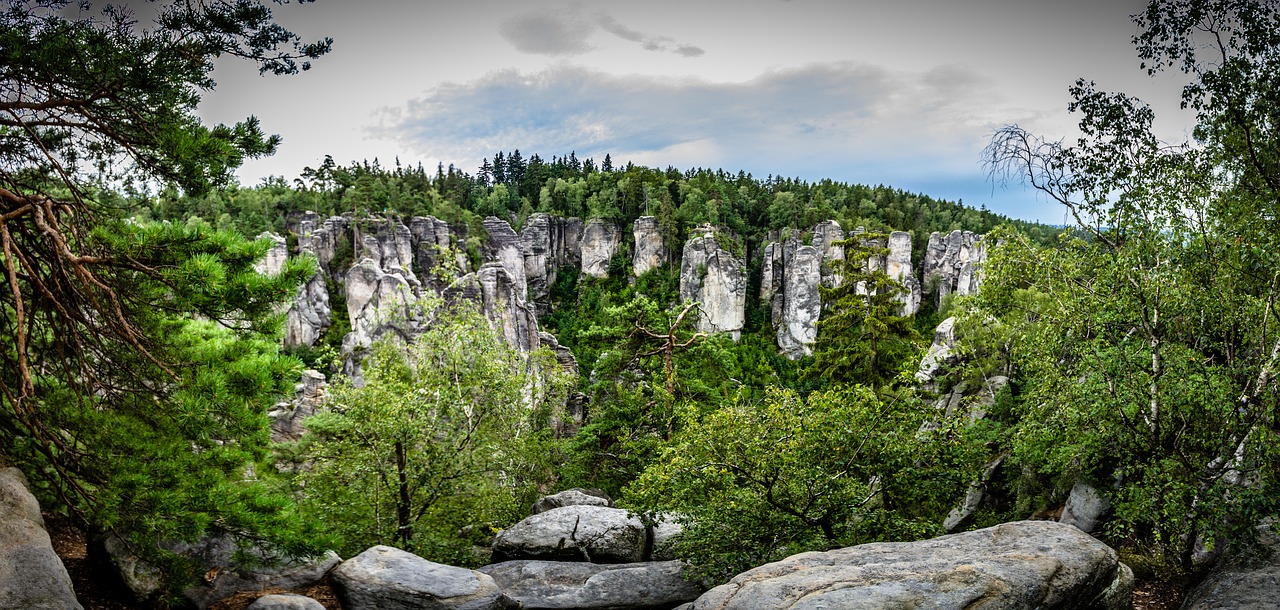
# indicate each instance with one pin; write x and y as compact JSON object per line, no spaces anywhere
{"x":903,"y":93}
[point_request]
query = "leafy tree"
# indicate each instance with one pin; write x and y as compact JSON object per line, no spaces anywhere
{"x":759,"y":480}
{"x":130,"y":415}
{"x":452,"y":431}
{"x":1156,"y":363}
{"x":863,"y":339}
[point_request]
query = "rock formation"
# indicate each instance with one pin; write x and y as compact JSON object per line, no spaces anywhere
{"x":548,"y":243}
{"x":32,"y":576}
{"x":285,"y":601}
{"x":383,"y":578}
{"x":287,"y":417}
{"x":571,"y":497}
{"x":1086,"y":508}
{"x":378,"y":302}
{"x":825,"y":236}
{"x":651,"y":250}
{"x":437,"y":255}
{"x":273,"y":262}
{"x":503,"y":246}
{"x":717,"y":279}
{"x":557,"y":585}
{"x":800,"y":302}
{"x":952,"y":263}
{"x":1020,"y":565}
{"x":600,"y":240}
{"x":499,"y":297}
{"x":575,"y":533}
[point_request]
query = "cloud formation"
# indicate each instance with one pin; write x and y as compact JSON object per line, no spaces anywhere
{"x":565,"y":32}
{"x":843,"y":120}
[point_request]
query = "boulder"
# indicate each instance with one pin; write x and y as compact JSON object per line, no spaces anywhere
{"x":498,"y":295}
{"x":548,"y":585}
{"x":597,"y":534}
{"x":1021,"y":565}
{"x":286,"y":601}
{"x":600,"y":240}
{"x":651,"y":250}
{"x":32,"y":576}
{"x":1245,"y":579}
{"x":962,"y":516}
{"x":572,"y":497}
{"x":717,"y":279}
{"x":383,"y":578}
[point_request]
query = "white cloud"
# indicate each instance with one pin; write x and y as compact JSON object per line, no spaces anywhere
{"x":565,"y":32}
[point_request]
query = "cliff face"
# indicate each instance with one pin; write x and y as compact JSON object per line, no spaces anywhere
{"x":397,"y":265}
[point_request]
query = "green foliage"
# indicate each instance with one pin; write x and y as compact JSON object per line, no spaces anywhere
{"x":450,"y":432}
{"x":758,"y":480}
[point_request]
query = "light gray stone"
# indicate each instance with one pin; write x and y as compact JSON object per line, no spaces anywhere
{"x":952,"y":263}
{"x":287,"y":418}
{"x":717,"y":279}
{"x":383,"y":578}
{"x":571,"y":497}
{"x":801,"y":302}
{"x":1086,"y":508}
{"x":438,"y":259}
{"x":651,"y":250}
{"x":503,"y":246}
{"x":286,"y":601}
{"x":498,"y":296}
{"x":377,"y":302}
{"x":32,"y":576}
{"x":940,"y":354}
{"x":600,"y":240}
{"x":548,"y":243}
{"x":277,"y":254}
{"x":962,"y":516}
{"x":575,"y":533}
{"x":1022,"y":565}
{"x":557,"y":585}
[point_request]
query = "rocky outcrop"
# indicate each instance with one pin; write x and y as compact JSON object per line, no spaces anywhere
{"x":383,"y":578}
{"x":800,"y":303}
{"x":309,"y":314}
{"x":390,"y":244}
{"x":498,"y":295}
{"x":321,"y":238}
{"x":548,"y":243}
{"x":717,"y":280}
{"x":503,"y":246}
{"x":940,"y":354}
{"x":287,"y":417}
{"x":952,"y":263}
{"x":651,"y":250}
{"x":285,"y":601}
{"x":962,"y":516}
{"x":825,"y":236}
{"x":571,"y":497}
{"x":551,"y":585}
{"x":437,"y":253}
{"x":771,"y":272}
{"x":1020,"y":565}
{"x":595,"y":534}
{"x":600,"y":240}
{"x":32,"y":576}
{"x":897,"y":266}
{"x":378,"y":302}
{"x":277,"y":254}
{"x":1086,"y":508}
{"x":1245,"y":579}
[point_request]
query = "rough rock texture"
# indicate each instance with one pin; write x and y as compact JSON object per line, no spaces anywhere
{"x":499,"y":297}
{"x":664,"y":538}
{"x":651,"y":250}
{"x":718,"y":280}
{"x":377,"y":302}
{"x":273,"y":262}
{"x":571,"y":497}
{"x":897,"y":265}
{"x":390,"y":244}
{"x":600,"y":241}
{"x":962,"y":516}
{"x":557,"y":585}
{"x":31,"y":575}
{"x":1026,"y":564}
{"x":548,"y":243}
{"x":825,"y":236}
{"x":309,"y":314}
{"x":1087,"y":509}
{"x":383,"y":578}
{"x":801,"y":305}
{"x":575,"y":533}
{"x":287,"y":417}
{"x":437,"y":258}
{"x":940,"y":353}
{"x":1246,"y":579}
{"x":321,"y":239}
{"x":216,"y":556}
{"x":503,"y":246}
{"x":287,"y":601}
{"x":953,"y":262}
{"x":771,"y":272}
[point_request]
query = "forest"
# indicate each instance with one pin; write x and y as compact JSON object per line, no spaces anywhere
{"x":1131,"y":356}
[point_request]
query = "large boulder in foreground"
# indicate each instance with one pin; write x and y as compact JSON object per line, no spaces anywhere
{"x":32,"y":576}
{"x":596,"y":534}
{"x":1248,"y":580}
{"x":1024,"y":564}
{"x":571,"y":497}
{"x":383,"y":578}
{"x":558,"y":585}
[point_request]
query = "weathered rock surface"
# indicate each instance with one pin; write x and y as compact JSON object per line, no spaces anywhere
{"x":273,"y":262}
{"x":898,"y":266}
{"x":309,"y":314}
{"x":286,"y":601}
{"x":1021,"y":565}
{"x":321,"y":237}
{"x":32,"y":576}
{"x":952,"y":263}
{"x":940,"y":354}
{"x":503,"y":246}
{"x":801,"y":304}
{"x":557,"y":585}
{"x":962,"y":516}
{"x":499,"y":298}
{"x":575,"y":533}
{"x":390,"y":244}
{"x":378,"y":302}
{"x":651,"y":250}
{"x":1245,"y":579}
{"x":548,"y":243}
{"x":437,"y":255}
{"x":717,"y":279}
{"x":1087,"y":509}
{"x":287,"y":417}
{"x":383,"y":578}
{"x":600,"y":241}
{"x":825,"y":236}
{"x":571,"y":497}
{"x":771,"y":272}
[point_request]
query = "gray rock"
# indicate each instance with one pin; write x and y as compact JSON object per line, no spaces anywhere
{"x":32,"y":576}
{"x":383,"y":578}
{"x":548,"y":243}
{"x":437,"y":256}
{"x":286,"y":601}
{"x":952,"y":263}
{"x":651,"y":250}
{"x":1086,"y":508}
{"x":571,"y":497}
{"x":801,"y":303}
{"x":771,"y":272}
{"x":273,"y":262}
{"x":825,"y":236}
{"x":1245,"y":579}
{"x":1020,"y":565}
{"x":499,"y":298}
{"x":718,"y":280}
{"x":940,"y":354}
{"x":287,"y":418}
{"x":309,"y":314}
{"x":962,"y":516}
{"x":378,"y":301}
{"x":556,"y":585}
{"x":503,"y":246}
{"x":575,"y":533}
{"x":665,"y":534}
{"x":600,"y":240}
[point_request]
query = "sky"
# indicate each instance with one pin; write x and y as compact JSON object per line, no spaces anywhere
{"x":904,"y":93}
